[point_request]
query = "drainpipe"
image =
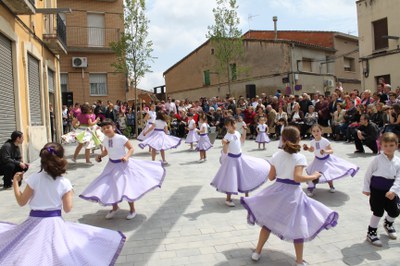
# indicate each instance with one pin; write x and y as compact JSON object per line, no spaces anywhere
{"x":275,"y":20}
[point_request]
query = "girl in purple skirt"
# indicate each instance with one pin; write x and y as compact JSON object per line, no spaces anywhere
{"x":192,"y":136}
{"x":45,"y":238}
{"x":204,"y":143}
{"x":123,"y":178}
{"x":159,"y":140}
{"x":262,"y":133}
{"x":283,"y":208}
{"x":330,"y":166}
{"x":238,"y":172}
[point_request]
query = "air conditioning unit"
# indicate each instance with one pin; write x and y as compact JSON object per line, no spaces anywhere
{"x":328,"y":83}
{"x":79,"y":62}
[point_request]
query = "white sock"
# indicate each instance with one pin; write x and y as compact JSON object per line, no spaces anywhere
{"x":374,"y":221}
{"x":390,"y":219}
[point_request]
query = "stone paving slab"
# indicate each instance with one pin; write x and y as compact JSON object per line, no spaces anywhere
{"x":187,"y":223}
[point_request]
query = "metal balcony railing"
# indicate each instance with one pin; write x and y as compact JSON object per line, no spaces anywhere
{"x":55,"y":31}
{"x":92,"y":36}
{"x":61,"y":30}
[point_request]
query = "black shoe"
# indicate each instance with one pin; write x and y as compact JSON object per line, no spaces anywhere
{"x":373,"y":238}
{"x":390,"y":229}
{"x":357,"y":151}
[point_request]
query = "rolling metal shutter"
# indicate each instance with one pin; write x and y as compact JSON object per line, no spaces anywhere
{"x":7,"y":100}
{"x":34,"y":91}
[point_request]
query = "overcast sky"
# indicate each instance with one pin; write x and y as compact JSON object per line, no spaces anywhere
{"x":177,"y":27}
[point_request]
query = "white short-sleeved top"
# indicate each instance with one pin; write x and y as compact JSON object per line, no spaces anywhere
{"x":153,"y":116}
{"x":160,"y":124}
{"x":115,"y":146}
{"x":47,"y":192}
{"x":204,"y":127}
{"x":262,"y":127}
{"x":320,"y":145}
{"x":285,"y":163}
{"x":192,"y":124}
{"x":234,"y":142}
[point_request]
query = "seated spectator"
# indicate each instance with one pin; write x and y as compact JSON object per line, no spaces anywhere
{"x":375,"y":117}
{"x":322,"y":108}
{"x":366,"y":134}
{"x":366,"y":98}
{"x":280,"y":115}
{"x":392,"y":99}
{"x":271,"y":115}
{"x":310,"y":119}
{"x":297,"y":117}
{"x":249,"y":119}
{"x":338,"y":121}
{"x":348,"y":118}
{"x":394,"y":120}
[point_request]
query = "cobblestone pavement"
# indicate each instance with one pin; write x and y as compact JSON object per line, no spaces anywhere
{"x":187,"y":223}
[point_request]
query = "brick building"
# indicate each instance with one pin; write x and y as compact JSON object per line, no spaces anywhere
{"x":86,"y":72}
{"x":295,"y":62}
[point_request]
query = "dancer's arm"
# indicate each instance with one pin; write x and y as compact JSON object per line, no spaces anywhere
{"x":130,"y":148}
{"x":21,"y":197}
{"x":300,"y":177}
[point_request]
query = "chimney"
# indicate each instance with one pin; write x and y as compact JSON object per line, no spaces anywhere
{"x":275,"y":19}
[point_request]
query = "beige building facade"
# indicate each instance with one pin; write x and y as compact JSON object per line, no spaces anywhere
{"x":87,"y":73}
{"x":379,"y":33}
{"x":31,"y":41}
{"x":288,"y":64}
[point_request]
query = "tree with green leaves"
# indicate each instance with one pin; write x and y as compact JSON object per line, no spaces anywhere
{"x":226,"y":38}
{"x":133,"y":50}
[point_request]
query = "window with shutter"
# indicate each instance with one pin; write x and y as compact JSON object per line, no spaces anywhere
{"x":207,"y":78}
{"x":64,"y":82}
{"x":380,"y":30}
{"x":35,"y":106}
{"x":7,"y":100}
{"x":98,"y":84}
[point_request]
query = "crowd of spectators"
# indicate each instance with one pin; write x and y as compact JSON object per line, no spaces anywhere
{"x":350,"y":116}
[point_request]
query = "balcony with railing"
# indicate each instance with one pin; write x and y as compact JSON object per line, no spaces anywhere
{"x":55,"y":33}
{"x":21,"y":7}
{"x":91,"y":38}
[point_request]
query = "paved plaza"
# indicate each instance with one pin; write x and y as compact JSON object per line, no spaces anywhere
{"x":187,"y":223}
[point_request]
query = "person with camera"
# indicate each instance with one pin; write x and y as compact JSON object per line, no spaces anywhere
{"x":10,"y":158}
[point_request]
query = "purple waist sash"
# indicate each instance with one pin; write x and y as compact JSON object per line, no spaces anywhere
{"x":323,"y":158}
{"x":150,"y":123}
{"x":115,"y":161}
{"x":203,"y":134}
{"x":381,"y":183}
{"x":234,"y":155}
{"x":158,"y":129}
{"x":44,"y":214}
{"x":287,"y":181}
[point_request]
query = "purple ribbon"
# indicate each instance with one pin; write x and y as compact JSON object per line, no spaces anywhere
{"x":159,"y":129}
{"x":45,"y":214}
{"x":115,"y":161}
{"x":322,"y":158}
{"x":234,"y":155}
{"x":287,"y":181}
{"x":203,"y":134}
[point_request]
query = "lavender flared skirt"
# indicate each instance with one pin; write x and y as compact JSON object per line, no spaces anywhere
{"x":124,"y":181}
{"x":286,"y":211}
{"x":331,"y":167}
{"x":142,"y":137}
{"x":204,"y":143}
{"x":240,"y":173}
{"x":160,"y":141}
{"x":192,"y":136}
{"x":52,"y":241}
{"x":262,"y":137}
